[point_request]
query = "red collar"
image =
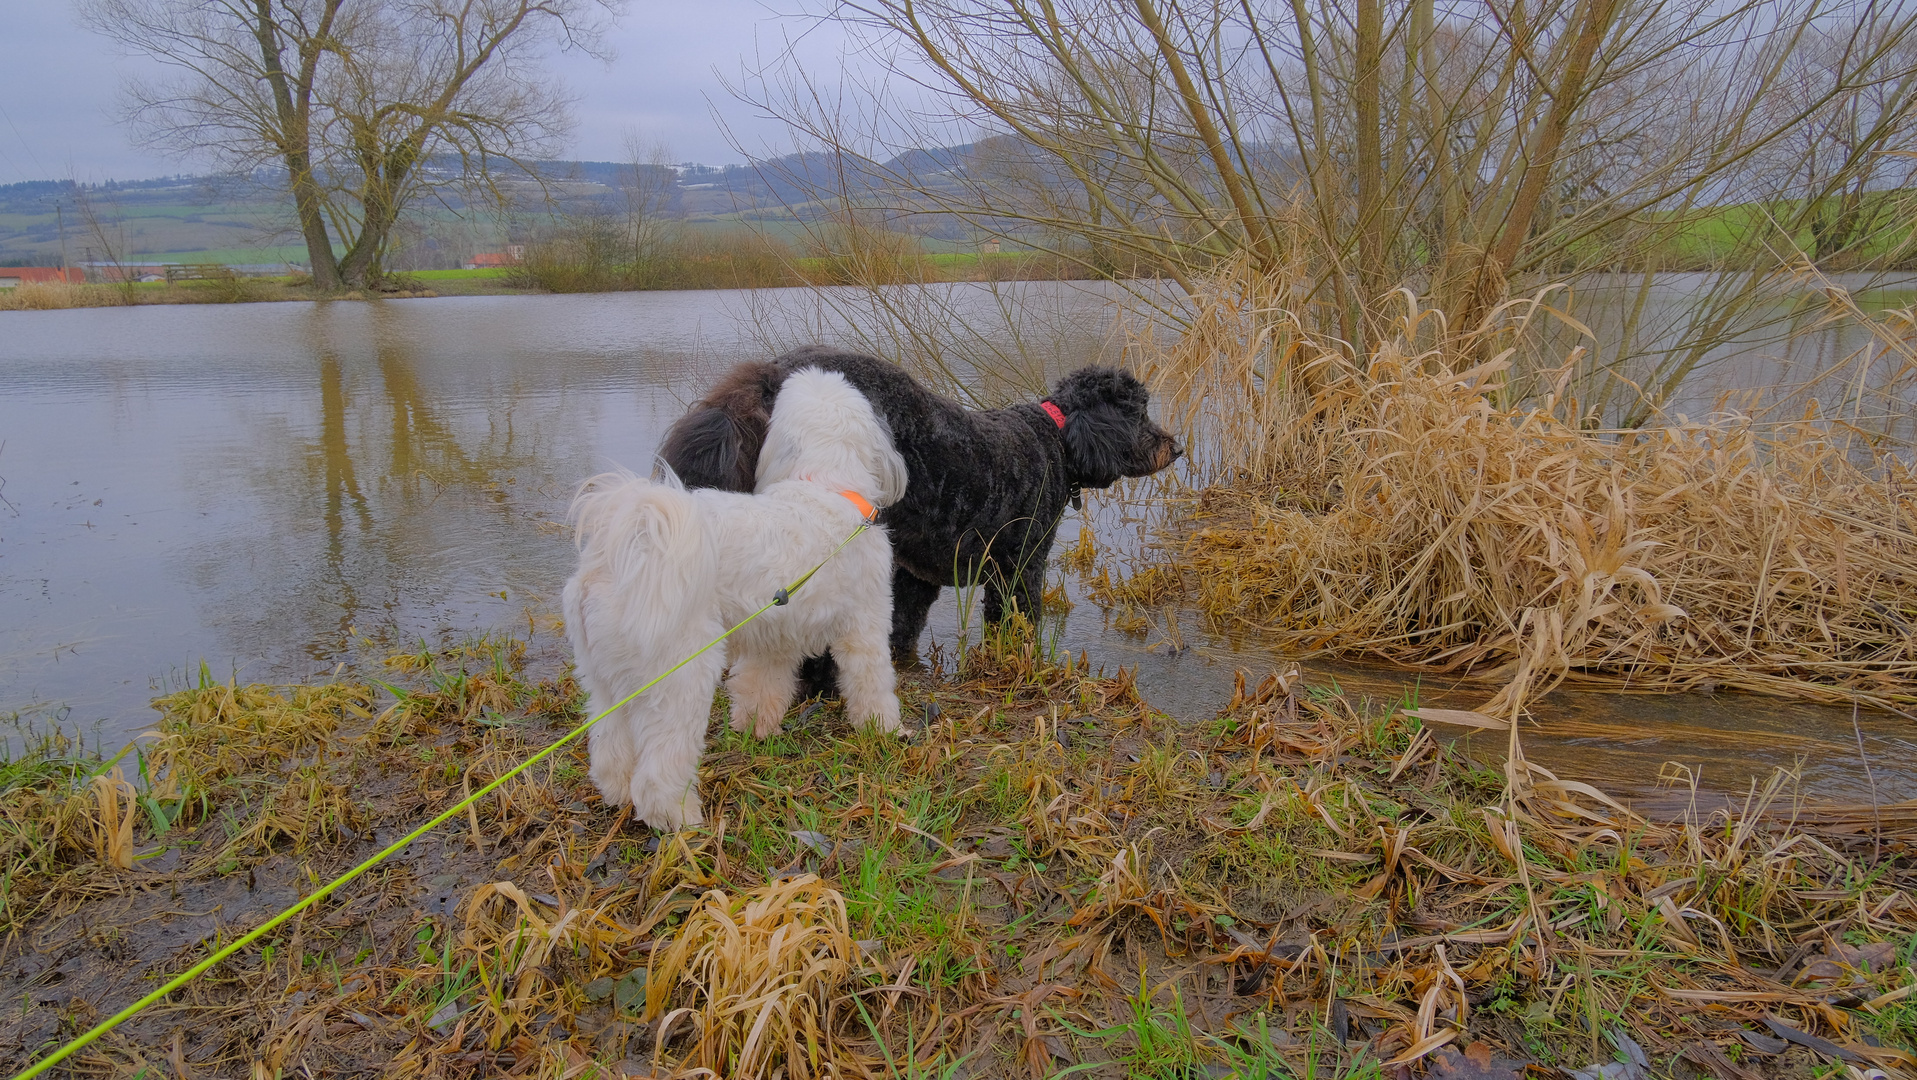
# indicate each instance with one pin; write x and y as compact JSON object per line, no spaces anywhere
{"x":1057,"y":414}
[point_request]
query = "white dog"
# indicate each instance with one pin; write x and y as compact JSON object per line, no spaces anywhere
{"x":663,"y":570}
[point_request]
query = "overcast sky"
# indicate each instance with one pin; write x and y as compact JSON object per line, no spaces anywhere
{"x":59,"y":84}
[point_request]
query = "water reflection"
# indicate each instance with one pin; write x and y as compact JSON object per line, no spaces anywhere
{"x":1758,"y":344}
{"x":413,"y":455}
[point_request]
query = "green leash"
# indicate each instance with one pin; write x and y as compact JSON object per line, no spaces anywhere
{"x":333,"y":886}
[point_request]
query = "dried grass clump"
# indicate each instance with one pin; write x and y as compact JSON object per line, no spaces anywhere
{"x":42,"y":822}
{"x":478,"y":681}
{"x":1396,"y":510}
{"x":768,"y":969}
{"x":220,"y":730}
{"x":113,"y":824}
{"x":1713,"y":912}
{"x":56,"y":295}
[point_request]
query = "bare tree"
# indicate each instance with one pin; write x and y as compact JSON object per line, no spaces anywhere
{"x":1460,"y":149}
{"x":106,"y":231}
{"x":648,"y":186}
{"x":1832,"y":173}
{"x":364,"y":105}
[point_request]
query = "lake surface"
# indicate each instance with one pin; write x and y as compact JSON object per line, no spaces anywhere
{"x":258,"y":486}
{"x":279,"y":489}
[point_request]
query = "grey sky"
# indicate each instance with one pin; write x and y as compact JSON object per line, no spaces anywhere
{"x":59,"y":84}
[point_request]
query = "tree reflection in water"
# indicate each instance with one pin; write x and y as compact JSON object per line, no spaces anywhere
{"x":407,"y":489}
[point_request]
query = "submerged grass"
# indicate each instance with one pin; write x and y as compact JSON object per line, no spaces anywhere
{"x":1049,"y":879}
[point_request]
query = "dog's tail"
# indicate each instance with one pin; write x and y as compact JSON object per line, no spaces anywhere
{"x":716,"y":443}
{"x":643,"y":556}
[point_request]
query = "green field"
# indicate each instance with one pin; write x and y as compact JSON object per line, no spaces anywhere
{"x":1753,"y":234}
{"x":487,"y":273}
{"x":233,"y":256}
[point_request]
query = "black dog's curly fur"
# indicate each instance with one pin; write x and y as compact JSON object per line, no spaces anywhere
{"x":987,"y":489}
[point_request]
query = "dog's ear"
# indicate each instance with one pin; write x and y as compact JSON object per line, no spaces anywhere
{"x":716,"y":443}
{"x":779,"y":457}
{"x":1109,"y":434}
{"x":707,"y":449}
{"x":889,"y":468}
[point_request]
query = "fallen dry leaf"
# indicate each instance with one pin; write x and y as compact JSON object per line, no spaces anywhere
{"x":1459,"y":718}
{"x":1843,"y":960}
{"x":1475,"y":1062}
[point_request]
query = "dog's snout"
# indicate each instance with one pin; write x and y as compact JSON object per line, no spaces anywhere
{"x":1168,"y":452}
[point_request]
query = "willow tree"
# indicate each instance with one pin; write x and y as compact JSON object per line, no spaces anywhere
{"x":364,"y":107}
{"x":1459,"y":148}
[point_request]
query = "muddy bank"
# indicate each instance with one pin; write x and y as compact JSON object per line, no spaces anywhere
{"x":1051,"y":874}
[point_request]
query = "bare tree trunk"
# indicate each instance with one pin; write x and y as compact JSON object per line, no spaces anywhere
{"x":293,"y":100}
{"x":1541,"y":155}
{"x":1200,"y":115}
{"x":1366,"y":113}
{"x":309,"y":204}
{"x":386,"y":178}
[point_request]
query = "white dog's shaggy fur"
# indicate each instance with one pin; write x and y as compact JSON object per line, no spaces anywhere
{"x":663,"y":570}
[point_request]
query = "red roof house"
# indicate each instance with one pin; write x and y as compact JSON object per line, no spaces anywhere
{"x":493,"y":260}
{"x":21,"y":275}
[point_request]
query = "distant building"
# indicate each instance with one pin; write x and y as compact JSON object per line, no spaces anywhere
{"x":12,"y":276}
{"x":493,"y":260}
{"x":114,"y":273}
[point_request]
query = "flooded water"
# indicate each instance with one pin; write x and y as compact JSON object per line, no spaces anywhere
{"x":277,"y":489}
{"x":1780,"y":353}
{"x":1635,"y":746}
{"x":259,"y":486}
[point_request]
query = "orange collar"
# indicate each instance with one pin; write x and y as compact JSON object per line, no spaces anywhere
{"x":865,"y":508}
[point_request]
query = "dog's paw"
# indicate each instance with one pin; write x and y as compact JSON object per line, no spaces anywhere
{"x":675,"y":818}
{"x":886,"y":719}
{"x":611,"y":794}
{"x":762,"y":724}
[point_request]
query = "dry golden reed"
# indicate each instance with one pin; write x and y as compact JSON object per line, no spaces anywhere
{"x":1395,"y":509}
{"x":768,"y":969}
{"x":55,"y":295}
{"x":113,"y":827}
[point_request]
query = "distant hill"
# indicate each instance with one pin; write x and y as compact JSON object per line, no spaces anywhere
{"x":246,"y":220}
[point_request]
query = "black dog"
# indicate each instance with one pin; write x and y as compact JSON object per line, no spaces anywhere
{"x":987,"y":489}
